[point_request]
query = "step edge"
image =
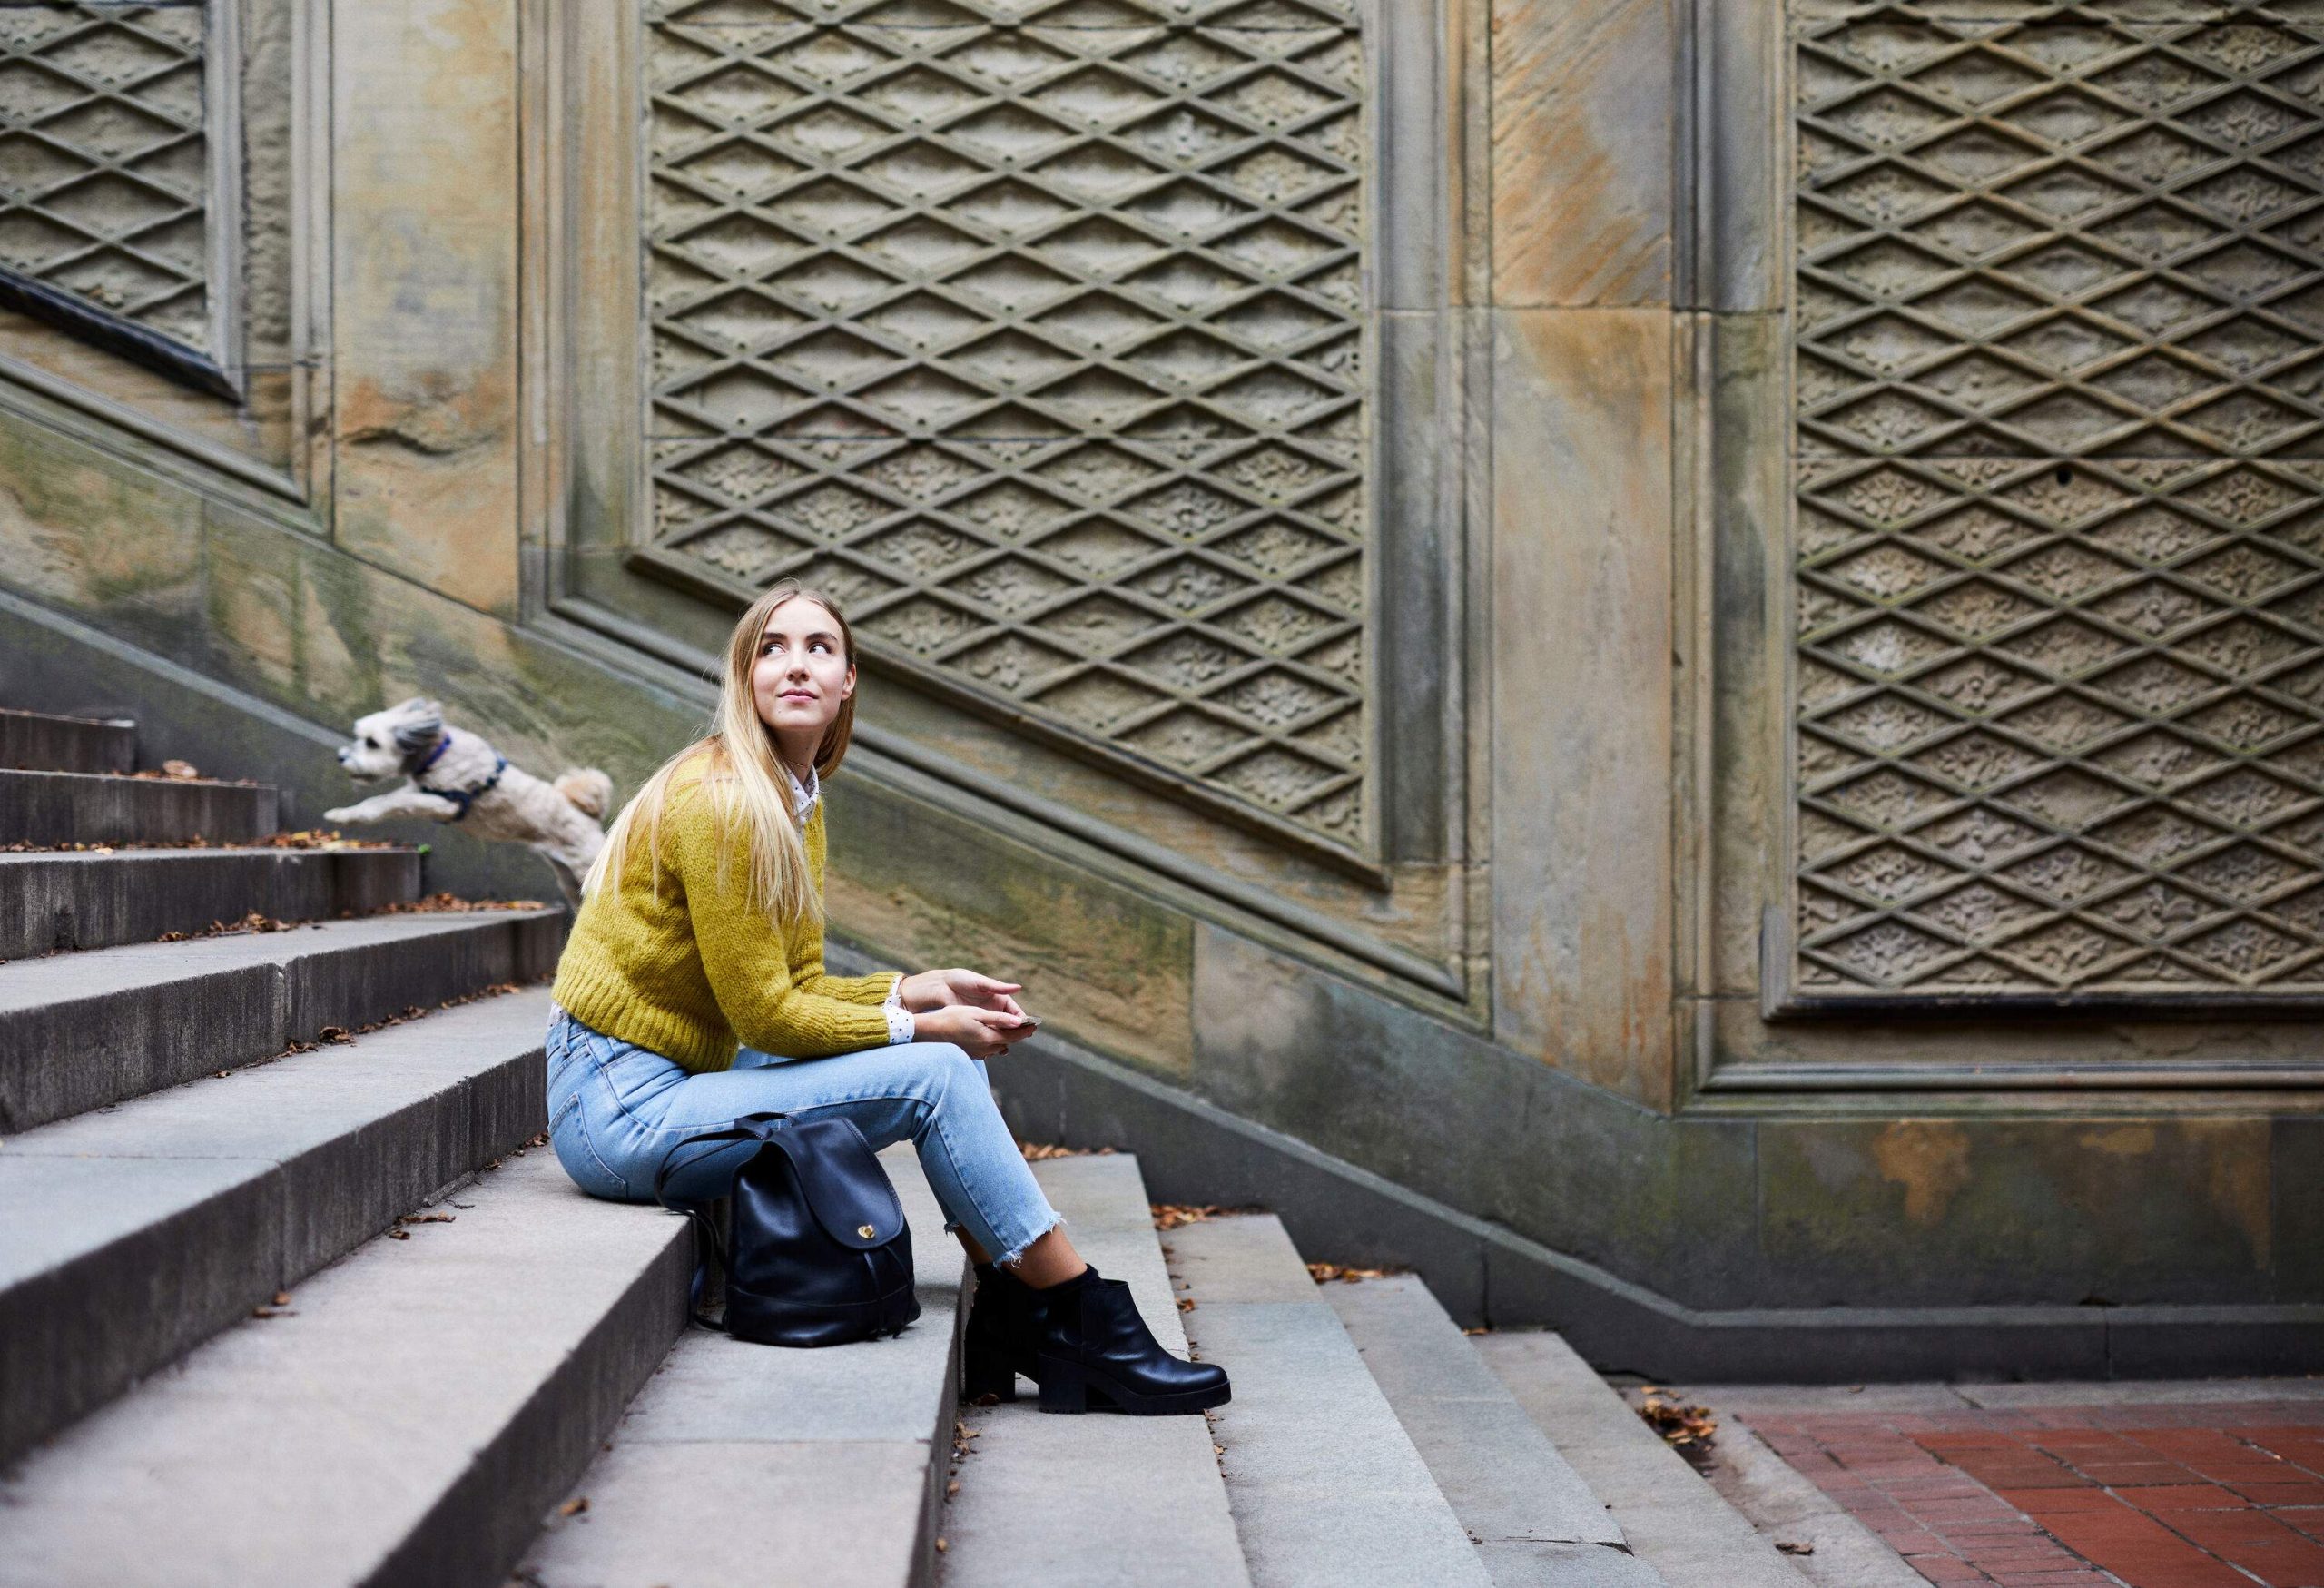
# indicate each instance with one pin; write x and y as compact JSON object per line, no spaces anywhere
{"x":267,"y":1243}
{"x":1420,"y":1298}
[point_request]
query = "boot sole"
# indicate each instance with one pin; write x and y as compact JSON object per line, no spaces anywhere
{"x":1072,"y":1390}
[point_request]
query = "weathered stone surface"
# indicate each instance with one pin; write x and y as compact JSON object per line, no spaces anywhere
{"x":1582,"y":923}
{"x":84,"y":1030}
{"x":474,"y":1369}
{"x":1676,"y":1523}
{"x":92,"y":900}
{"x":738,"y":1465}
{"x":1102,"y":961}
{"x":2108,"y":1211}
{"x":1038,"y":1493}
{"x":47,"y":809}
{"x":424,"y":295}
{"x":1582,"y":130}
{"x":48,"y":742}
{"x":217,"y":1193}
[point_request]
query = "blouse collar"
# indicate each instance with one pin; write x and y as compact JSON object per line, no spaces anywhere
{"x":803,"y":796}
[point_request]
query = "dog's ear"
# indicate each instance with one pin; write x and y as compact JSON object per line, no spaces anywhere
{"x":419,"y":723}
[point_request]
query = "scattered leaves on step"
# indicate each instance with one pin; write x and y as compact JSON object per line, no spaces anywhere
{"x":1682,"y":1427}
{"x":1185,"y":1304}
{"x":942,"y":1544}
{"x":1171,"y":1215}
{"x":575,"y":1507}
{"x":1787,"y":1547}
{"x":953,"y":1487}
{"x":1043,"y":1151}
{"x":278,"y":1307}
{"x":399,"y":1235}
{"x":450,"y":904}
{"x":335,"y":1034}
{"x":1345,"y":1274}
{"x":426,"y":1218}
{"x":1480,"y":1329}
{"x":180,"y":769}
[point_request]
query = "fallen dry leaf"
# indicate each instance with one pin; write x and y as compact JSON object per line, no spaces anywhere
{"x":1790,"y":1548}
{"x":1325,"y":1273}
{"x":1681,"y":1426}
{"x":575,"y":1507}
{"x":1170,"y":1215}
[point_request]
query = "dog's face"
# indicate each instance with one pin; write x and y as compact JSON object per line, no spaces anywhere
{"x":386,"y":741}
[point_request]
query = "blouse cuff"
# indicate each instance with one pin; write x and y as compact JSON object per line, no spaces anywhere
{"x":900,"y":1023}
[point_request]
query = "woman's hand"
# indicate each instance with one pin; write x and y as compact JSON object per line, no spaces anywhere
{"x":930,"y":990}
{"x":984,"y":1033}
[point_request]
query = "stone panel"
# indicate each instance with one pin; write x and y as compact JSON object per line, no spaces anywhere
{"x":2066,"y":1211}
{"x":1582,"y":135}
{"x":1034,"y":335}
{"x":426,"y":296}
{"x":106,"y":182}
{"x":1582,"y":715}
{"x":2059,"y":575}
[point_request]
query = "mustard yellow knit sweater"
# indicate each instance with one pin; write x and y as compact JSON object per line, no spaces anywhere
{"x":676,"y":961}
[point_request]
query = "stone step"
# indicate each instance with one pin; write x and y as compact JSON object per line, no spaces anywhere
{"x":92,"y":900}
{"x":402,"y":1423}
{"x":136,"y":1231}
{"x":1098,"y":1499}
{"x":35,"y":740}
{"x":741,"y":1465}
{"x":1534,"y":1522}
{"x":1328,"y":1490}
{"x":79,"y":807}
{"x":81,"y":1030}
{"x":1675,"y":1521}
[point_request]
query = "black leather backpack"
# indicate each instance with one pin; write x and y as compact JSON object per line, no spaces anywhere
{"x":817,"y":1252}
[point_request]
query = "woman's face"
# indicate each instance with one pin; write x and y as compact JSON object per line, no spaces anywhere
{"x":802,"y":673}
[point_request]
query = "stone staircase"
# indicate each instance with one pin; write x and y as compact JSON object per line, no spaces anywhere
{"x":290,"y":1292}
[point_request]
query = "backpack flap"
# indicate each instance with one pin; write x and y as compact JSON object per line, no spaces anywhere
{"x":846,"y":1189}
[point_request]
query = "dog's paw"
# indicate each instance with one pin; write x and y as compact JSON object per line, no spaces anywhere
{"x":344,"y":813}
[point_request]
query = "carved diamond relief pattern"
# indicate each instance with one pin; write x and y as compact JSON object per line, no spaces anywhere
{"x":1031,"y":329}
{"x":2059,"y":370}
{"x":103,"y":168}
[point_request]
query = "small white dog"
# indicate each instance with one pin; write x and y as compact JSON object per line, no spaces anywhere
{"x":454,"y":776}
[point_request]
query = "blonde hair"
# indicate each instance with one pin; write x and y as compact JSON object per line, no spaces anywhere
{"x":744,"y":778}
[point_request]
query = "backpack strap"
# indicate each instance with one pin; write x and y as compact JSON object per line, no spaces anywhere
{"x":706,"y":1252}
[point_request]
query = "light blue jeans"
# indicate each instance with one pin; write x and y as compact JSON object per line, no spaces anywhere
{"x":615,"y":1109}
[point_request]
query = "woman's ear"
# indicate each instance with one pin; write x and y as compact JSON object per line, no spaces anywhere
{"x":847,"y":685}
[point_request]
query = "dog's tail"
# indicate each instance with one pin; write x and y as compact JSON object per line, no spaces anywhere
{"x":590,"y":791}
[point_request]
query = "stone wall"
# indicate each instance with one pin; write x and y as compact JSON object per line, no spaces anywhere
{"x":1688,"y":631}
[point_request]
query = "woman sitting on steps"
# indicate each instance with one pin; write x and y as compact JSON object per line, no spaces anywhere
{"x":702,"y":929}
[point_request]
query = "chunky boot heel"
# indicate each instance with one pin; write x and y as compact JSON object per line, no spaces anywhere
{"x":1063,"y":1389}
{"x":995,"y":1347}
{"x":1095,"y":1350}
{"x":982,"y":1376}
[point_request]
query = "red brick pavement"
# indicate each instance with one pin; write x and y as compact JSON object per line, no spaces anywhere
{"x":2220,"y":1495}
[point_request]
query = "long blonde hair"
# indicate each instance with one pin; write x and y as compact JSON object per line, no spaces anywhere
{"x":745,"y":778}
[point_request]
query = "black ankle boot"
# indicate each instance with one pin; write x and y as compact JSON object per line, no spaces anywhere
{"x":1093,"y":1347}
{"x":995,"y":1347}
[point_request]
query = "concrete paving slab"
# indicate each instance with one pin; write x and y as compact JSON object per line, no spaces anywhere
{"x":1097,"y":1499}
{"x":1505,"y":1481}
{"x":80,"y":1031}
{"x":404,"y":1421}
{"x":79,"y":807}
{"x":1327,"y":1488}
{"x":136,"y":1231}
{"x":37,"y":740}
{"x":1676,"y":1521}
{"x":87,"y":900}
{"x":742,"y":1465}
